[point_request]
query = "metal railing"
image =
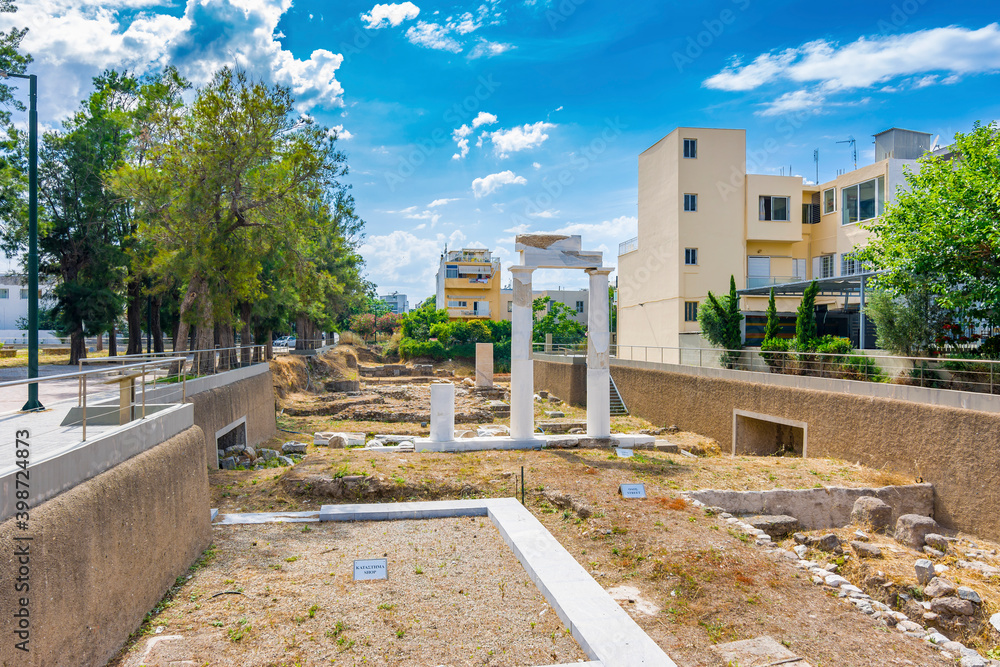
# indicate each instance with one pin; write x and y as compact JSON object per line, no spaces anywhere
{"x":764,"y":281}
{"x":975,"y":375}
{"x":626,"y":247}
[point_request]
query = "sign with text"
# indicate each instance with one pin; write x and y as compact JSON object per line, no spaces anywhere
{"x":372,"y":568}
{"x":624,"y":453}
{"x":632,"y":490}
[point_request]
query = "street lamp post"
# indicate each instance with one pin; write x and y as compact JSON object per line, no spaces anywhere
{"x":33,"y":402}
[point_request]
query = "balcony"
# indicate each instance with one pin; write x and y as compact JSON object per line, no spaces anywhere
{"x":766,"y":281}
{"x":458,"y":313}
{"x":628,"y":246}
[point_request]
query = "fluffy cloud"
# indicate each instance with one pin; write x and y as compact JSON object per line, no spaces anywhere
{"x":486,"y":48}
{"x":461,"y":135}
{"x":490,"y":184}
{"x":74,"y":41}
{"x":928,"y":57}
{"x":440,"y":202}
{"x":520,"y":138}
{"x":433,"y":36}
{"x":382,"y":16}
{"x":406,"y":262}
{"x":341,"y":132}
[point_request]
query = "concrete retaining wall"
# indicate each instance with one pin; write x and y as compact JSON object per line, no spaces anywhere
{"x":104,"y":553}
{"x":566,"y":380}
{"x":829,"y":507}
{"x":952,"y":448}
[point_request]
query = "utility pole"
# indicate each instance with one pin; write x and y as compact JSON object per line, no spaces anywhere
{"x":816,"y":160}
{"x":33,"y":402}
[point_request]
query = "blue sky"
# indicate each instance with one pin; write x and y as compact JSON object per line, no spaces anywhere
{"x":468,"y":122}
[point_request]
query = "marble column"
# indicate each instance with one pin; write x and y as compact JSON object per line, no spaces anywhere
{"x":442,"y":412}
{"x":598,"y":356}
{"x":522,"y":384}
{"x":484,"y":365}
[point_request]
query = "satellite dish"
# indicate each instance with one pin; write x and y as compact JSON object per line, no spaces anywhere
{"x":934,"y":144}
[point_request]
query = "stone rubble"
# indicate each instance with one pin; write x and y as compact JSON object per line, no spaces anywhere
{"x":950,"y":602}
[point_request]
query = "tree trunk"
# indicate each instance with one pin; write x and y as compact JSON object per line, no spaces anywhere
{"x":245,"y":337}
{"x":133,"y":314}
{"x":205,"y":333}
{"x":112,"y":342}
{"x":196,"y":308}
{"x":227,"y":343}
{"x":100,"y":342}
{"x":268,"y":345}
{"x":77,"y":347}
{"x":156,"y":328}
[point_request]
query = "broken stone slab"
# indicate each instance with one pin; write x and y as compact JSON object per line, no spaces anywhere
{"x":932,"y":552}
{"x":967,"y":593}
{"x":911,"y":529}
{"x":973,"y":661}
{"x":952,"y":606}
{"x":285,"y":461}
{"x":395,"y":439}
{"x":293,"y":447}
{"x":828,"y":542}
{"x":995,"y":621}
{"x":555,"y":414}
{"x":924,"y":570}
{"x":939,"y":587}
{"x":872,"y":511}
{"x":763,"y":650}
{"x":775,"y":525}
{"x":228,"y":463}
{"x":666,"y":446}
{"x":935,"y":541}
{"x":866,"y":550}
{"x":268,"y":454}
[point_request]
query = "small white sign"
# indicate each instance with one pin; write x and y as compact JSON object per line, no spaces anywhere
{"x":372,"y":568}
{"x":633,"y":490}
{"x":624,"y":453}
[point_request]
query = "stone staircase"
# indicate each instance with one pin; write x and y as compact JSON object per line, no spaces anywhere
{"x":617,"y":404}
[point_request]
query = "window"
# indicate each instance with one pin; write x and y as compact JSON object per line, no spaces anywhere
{"x":758,"y":271}
{"x":863,"y":201}
{"x":849,"y":266}
{"x":579,"y":306}
{"x":691,"y":148}
{"x":510,"y":306}
{"x":458,"y":304}
{"x":829,"y":201}
{"x":691,"y":256}
{"x":24,"y":293}
{"x":800,"y":269}
{"x":690,"y":202}
{"x":690,"y":311}
{"x":774,"y":209}
{"x":4,"y":293}
{"x":451,"y":271}
{"x":826,"y":266}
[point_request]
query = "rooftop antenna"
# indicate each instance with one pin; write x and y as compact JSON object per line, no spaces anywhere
{"x":816,"y":160}
{"x":854,"y":148}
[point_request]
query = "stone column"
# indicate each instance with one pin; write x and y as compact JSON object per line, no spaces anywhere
{"x":442,"y":412}
{"x":598,"y":357}
{"x":522,"y":384}
{"x":484,"y":365}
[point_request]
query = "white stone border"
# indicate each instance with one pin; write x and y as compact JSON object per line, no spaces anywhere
{"x":760,"y":416}
{"x":605,"y":631}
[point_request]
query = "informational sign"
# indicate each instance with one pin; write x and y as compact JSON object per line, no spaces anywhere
{"x":633,"y":490}
{"x":624,"y":453}
{"x":372,"y":568}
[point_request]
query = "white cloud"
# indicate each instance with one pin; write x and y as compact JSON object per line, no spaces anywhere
{"x":433,"y":36}
{"x":461,"y":135}
{"x":440,"y":202}
{"x":382,"y":16}
{"x":520,"y":138}
{"x":543,"y":214}
{"x":536,"y":165}
{"x":489,"y":49}
{"x":868,"y":61}
{"x":342,"y":133}
{"x":406,"y":262}
{"x":799,"y":100}
{"x":490,"y":184}
{"x":74,"y":41}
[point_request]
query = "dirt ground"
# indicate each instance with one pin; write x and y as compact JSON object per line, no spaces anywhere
{"x":283,"y":594}
{"x":696,"y":582}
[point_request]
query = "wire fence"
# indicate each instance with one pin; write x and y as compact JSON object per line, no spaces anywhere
{"x":975,"y":375}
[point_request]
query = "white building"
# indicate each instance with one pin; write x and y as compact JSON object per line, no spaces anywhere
{"x":578,"y":301}
{"x":397,"y":302}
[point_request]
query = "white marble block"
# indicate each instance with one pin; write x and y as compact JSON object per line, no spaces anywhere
{"x":442,"y":412}
{"x":484,"y":365}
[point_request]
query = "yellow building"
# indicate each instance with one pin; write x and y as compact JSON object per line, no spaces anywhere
{"x":702,"y":218}
{"x":468,"y":284}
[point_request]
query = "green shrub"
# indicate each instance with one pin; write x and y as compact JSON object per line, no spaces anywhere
{"x":861,"y":367}
{"x":773,"y":350}
{"x":479,"y":332}
{"x":720,"y":324}
{"x":417,"y":349}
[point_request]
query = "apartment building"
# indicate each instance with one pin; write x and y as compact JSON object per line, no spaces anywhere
{"x":702,"y":218}
{"x":468,"y":284}
{"x":578,"y":301}
{"x":398,"y":303}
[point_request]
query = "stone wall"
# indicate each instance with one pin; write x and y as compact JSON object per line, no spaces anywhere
{"x":251,"y":397}
{"x":952,"y":448}
{"x":566,"y":380}
{"x":105,"y":552}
